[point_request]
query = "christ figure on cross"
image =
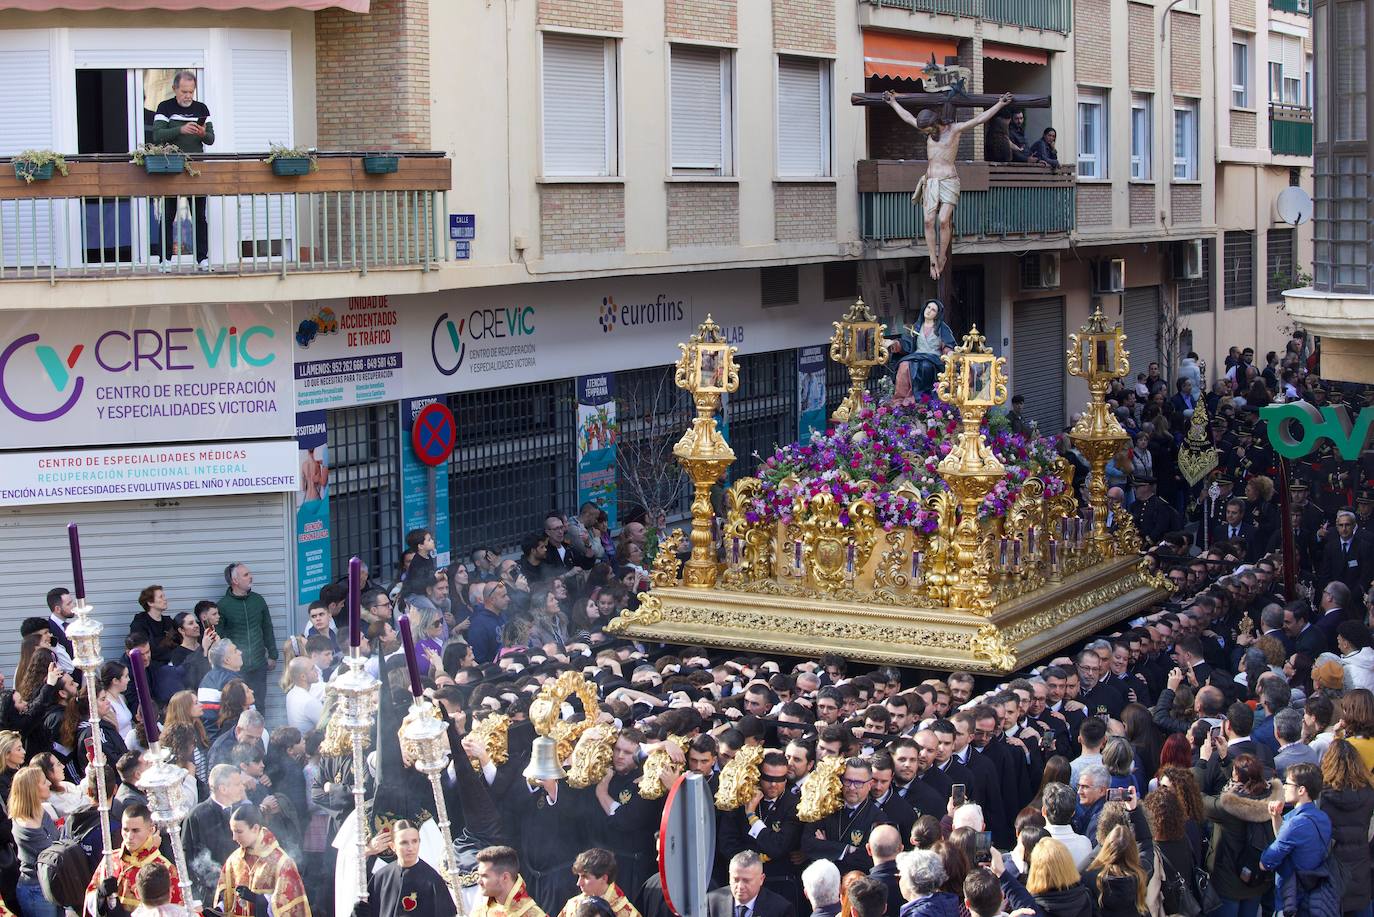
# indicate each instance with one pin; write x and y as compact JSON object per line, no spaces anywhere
{"x":938,"y":190}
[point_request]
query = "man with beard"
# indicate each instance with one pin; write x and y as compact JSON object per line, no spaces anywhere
{"x":841,"y":837}
{"x":768,"y":825}
{"x":408,"y":885}
{"x":993,"y":791}
{"x":621,"y":820}
{"x":907,"y":783}
{"x":899,"y":811}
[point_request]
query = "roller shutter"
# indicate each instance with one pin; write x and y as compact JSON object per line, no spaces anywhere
{"x":1037,"y":360}
{"x":1140,"y":319}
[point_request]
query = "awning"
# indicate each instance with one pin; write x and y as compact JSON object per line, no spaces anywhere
{"x":177,"y":6}
{"x":903,"y":56}
{"x":1015,"y":55}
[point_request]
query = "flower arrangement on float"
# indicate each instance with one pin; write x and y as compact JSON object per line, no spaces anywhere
{"x":892,"y":444}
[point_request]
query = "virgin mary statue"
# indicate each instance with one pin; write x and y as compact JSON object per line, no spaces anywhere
{"x":919,"y":348}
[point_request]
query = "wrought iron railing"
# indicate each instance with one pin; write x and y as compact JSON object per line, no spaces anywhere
{"x":1050,"y":15}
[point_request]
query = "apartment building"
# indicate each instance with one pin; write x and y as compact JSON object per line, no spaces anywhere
{"x":519,"y":208}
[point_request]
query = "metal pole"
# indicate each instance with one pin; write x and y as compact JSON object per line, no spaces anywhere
{"x":360,"y":807}
{"x":450,"y":858}
{"x":98,"y":762}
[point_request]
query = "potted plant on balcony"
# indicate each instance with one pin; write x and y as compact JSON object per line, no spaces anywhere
{"x":380,"y":163}
{"x":38,"y":165}
{"x":290,"y":160}
{"x":162,"y":159}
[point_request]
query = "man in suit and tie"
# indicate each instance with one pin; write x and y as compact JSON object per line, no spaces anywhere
{"x":1346,"y":557}
{"x":745,"y":895}
{"x":1297,"y":624}
{"x":1334,"y":601}
{"x":1235,"y":528}
{"x":1239,"y":722}
{"x":1292,"y":749}
{"x":61,"y":609}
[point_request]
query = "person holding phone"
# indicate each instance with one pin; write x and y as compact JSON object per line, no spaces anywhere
{"x":184,"y":120}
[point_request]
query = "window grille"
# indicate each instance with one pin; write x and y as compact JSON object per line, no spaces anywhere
{"x":1281,"y":268}
{"x":1238,"y":275}
{"x":364,"y":488}
{"x":1196,"y":295}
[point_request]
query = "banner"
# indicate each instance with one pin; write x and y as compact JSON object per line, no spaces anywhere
{"x":149,"y":374}
{"x":810,"y":391}
{"x":415,"y":485}
{"x":596,"y":437}
{"x":313,"y":560}
{"x":348,"y":352}
{"x":147,"y":473}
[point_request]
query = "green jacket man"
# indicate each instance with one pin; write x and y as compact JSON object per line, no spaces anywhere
{"x":245,"y":619}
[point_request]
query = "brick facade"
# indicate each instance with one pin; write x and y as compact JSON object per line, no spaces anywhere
{"x":1185,"y":204}
{"x":1185,"y":60}
{"x":593,"y":15}
{"x":702,"y":20}
{"x":372,"y":77}
{"x":804,"y":212}
{"x":1141,"y":46}
{"x":1094,"y":205}
{"x":581,"y":218}
{"x":804,"y":25}
{"x":1243,"y":14}
{"x":702,"y":214}
{"x":1092,"y":41}
{"x":971,"y":56}
{"x":1143,"y":205}
{"x":1243,"y":129}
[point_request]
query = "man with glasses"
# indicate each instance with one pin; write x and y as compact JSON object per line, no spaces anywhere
{"x":1301,"y":837}
{"x":768,"y":825}
{"x":1098,"y":697}
{"x":828,"y":704}
{"x":842,"y":838}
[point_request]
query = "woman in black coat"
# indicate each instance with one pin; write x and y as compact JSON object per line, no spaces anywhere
{"x":1348,"y":800}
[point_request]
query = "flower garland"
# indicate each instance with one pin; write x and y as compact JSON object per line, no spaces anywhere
{"x":889,"y":444}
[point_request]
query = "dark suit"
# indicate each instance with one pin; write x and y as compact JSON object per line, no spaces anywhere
{"x":778,"y":835}
{"x":1153,"y":519}
{"x":720,"y":903}
{"x":901,"y":811}
{"x":207,"y":833}
{"x":1245,"y":533}
{"x":1311,"y":641}
{"x":1351,"y":565}
{"x":845,"y":835}
{"x":887,"y":873}
{"x":1327,"y":624}
{"x":59,"y":636}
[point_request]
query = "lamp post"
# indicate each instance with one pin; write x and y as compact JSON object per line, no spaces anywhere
{"x":858,"y":343}
{"x":707,"y":370}
{"x":1097,"y":354}
{"x":358,"y":693}
{"x":974,"y":379}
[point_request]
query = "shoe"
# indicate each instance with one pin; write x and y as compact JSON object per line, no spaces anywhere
{"x":204,"y":267}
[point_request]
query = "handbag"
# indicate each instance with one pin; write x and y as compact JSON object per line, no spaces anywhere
{"x":1178,"y":897}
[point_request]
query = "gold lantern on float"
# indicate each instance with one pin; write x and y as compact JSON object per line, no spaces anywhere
{"x":1097,"y":354}
{"x":857,"y":343}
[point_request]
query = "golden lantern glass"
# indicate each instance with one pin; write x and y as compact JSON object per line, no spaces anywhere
{"x":712,"y":363}
{"x":859,"y":344}
{"x":1100,"y":350}
{"x":977,"y":371}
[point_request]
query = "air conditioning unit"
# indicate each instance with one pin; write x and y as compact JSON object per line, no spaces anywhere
{"x":1040,"y":271}
{"x":1109,"y":275}
{"x":1188,"y":260}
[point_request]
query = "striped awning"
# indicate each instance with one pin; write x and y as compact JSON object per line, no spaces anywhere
{"x":1015,"y":54}
{"x":903,"y":56}
{"x":177,"y":6}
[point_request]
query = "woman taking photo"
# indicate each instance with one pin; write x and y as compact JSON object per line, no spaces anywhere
{"x":65,"y":798}
{"x":1241,"y":830}
{"x":1347,"y":798}
{"x":187,"y":662}
{"x":34,"y":832}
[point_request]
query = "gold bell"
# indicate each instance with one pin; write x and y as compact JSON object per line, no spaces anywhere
{"x":544,"y":761}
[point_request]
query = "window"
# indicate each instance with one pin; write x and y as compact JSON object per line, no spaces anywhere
{"x":1238,"y":270}
{"x":1141,"y":137}
{"x":1185,"y":141}
{"x":1349,"y":73}
{"x":1286,"y":63}
{"x":1196,"y":295}
{"x":581,"y":100}
{"x":1280,"y":264}
{"x":702,"y":111}
{"x":803,"y":117}
{"x":1092,"y":135}
{"x":1240,"y":71}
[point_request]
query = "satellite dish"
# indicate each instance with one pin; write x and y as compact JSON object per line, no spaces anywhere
{"x":1294,"y":206}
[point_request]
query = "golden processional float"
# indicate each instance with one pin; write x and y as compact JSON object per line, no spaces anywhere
{"x":916,"y":534}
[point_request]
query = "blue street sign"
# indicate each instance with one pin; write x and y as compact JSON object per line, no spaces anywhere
{"x":462,"y":250}
{"x":462,"y":226}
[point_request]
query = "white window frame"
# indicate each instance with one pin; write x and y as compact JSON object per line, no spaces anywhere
{"x":1094,"y":165}
{"x":611,"y":164}
{"x":825,"y":158}
{"x":1186,"y":140}
{"x":728,"y":157}
{"x":1142,"y":137}
{"x":1289,"y":70}
{"x":1240,"y":70}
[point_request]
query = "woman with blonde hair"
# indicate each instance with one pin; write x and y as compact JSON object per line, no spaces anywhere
{"x":1053,"y":881}
{"x":34,"y":832}
{"x":11,"y":759}
{"x":1347,"y":798}
{"x":1115,"y":876}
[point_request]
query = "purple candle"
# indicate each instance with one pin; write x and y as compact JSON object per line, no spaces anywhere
{"x":145,"y":697}
{"x":412,"y":660}
{"x":1054,"y":554}
{"x":916,"y":559}
{"x":1002,"y":551}
{"x":355,"y":612}
{"x":1030,"y":539}
{"x":1016,"y":551}
{"x":79,"y":579}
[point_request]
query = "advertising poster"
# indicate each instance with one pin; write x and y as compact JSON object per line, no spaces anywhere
{"x":596,"y":437}
{"x":419,"y":480}
{"x":189,"y":373}
{"x":348,"y":352}
{"x":810,"y":391}
{"x":313,"y":561}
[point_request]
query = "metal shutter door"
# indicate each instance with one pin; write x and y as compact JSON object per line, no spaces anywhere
{"x":26,"y":123}
{"x":1140,"y":319}
{"x":1037,"y":361}
{"x":181,"y":545}
{"x":576,"y":104}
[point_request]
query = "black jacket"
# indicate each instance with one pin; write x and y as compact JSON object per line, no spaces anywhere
{"x":1074,"y":901}
{"x":887,"y":873}
{"x":720,"y":903}
{"x":1349,"y":811}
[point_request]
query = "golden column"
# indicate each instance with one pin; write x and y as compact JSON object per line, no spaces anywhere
{"x":1098,"y":355}
{"x":974,"y":379}
{"x":858,"y":344}
{"x":707,"y":370}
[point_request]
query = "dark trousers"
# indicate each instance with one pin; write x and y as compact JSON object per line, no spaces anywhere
{"x":257,"y":680}
{"x":198,"y":214}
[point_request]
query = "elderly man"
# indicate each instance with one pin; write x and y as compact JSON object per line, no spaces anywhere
{"x":821,"y":885}
{"x":745,"y":895}
{"x":1059,"y":804}
{"x":183,"y":120}
{"x":225,"y":662}
{"x":207,"y":838}
{"x":249,"y":728}
{"x":245,"y":619}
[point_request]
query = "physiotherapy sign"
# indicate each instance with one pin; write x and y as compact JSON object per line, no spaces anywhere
{"x":1297,"y":428}
{"x":155,"y":374}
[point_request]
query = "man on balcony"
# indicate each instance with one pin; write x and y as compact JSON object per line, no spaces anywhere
{"x":938,"y":189}
{"x":184,"y":121}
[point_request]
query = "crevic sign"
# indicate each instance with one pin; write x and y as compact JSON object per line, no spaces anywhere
{"x":1297,"y":428}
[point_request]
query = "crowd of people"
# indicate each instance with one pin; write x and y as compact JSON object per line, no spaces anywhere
{"x":1212,"y":756}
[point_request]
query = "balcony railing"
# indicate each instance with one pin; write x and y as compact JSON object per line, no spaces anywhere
{"x":1290,"y":129}
{"x":110,"y":218}
{"x":1292,"y":6}
{"x":1050,"y":15}
{"x":997,"y":200}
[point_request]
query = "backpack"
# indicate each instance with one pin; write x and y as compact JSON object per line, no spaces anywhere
{"x":64,"y":871}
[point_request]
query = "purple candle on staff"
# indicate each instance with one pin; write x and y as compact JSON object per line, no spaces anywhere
{"x":79,"y":578}
{"x":145,"y":696}
{"x":355,"y":612}
{"x":412,"y":661}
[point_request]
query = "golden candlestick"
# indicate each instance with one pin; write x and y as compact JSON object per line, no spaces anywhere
{"x":1098,"y":354}
{"x":707,"y":370}
{"x":857,"y":343}
{"x":974,"y":379}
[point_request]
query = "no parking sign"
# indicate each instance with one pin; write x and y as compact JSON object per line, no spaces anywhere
{"x":434,"y":434}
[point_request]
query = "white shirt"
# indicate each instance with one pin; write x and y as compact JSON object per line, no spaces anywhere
{"x":1080,"y":848}
{"x":304,"y":708}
